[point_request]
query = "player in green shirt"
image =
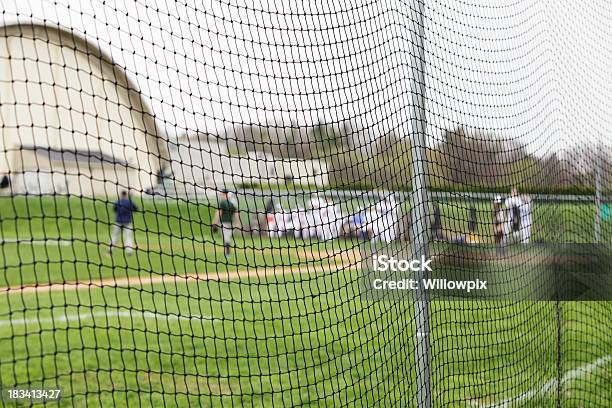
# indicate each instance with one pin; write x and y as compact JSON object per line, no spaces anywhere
{"x":226,"y":216}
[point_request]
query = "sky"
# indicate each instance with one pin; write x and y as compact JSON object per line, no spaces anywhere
{"x":537,"y":72}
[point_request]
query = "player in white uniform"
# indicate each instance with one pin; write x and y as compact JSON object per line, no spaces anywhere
{"x":314,"y":221}
{"x":384,"y":221}
{"x":513,"y":206}
{"x":499,"y":224}
{"x":298,"y":221}
{"x":331,"y":218}
{"x":280,"y":225}
{"x":322,"y":220}
{"x":525,"y":210}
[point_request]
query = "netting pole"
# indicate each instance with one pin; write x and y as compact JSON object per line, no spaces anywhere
{"x":598,"y":166}
{"x":420,"y":228}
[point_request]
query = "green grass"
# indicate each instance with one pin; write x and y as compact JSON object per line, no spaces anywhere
{"x":290,"y":341}
{"x":276,"y":340}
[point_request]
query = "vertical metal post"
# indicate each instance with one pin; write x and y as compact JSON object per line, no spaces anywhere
{"x":420,"y":218}
{"x":598,"y":166}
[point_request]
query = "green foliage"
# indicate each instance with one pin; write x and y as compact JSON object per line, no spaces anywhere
{"x":459,"y":163}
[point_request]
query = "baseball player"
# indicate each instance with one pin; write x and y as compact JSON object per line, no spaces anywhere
{"x":124,"y":209}
{"x":226,"y":215}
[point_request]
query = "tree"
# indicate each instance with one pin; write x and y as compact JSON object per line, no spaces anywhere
{"x":480,"y":159}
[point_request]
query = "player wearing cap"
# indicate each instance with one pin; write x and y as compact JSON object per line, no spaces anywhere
{"x":226,"y":215}
{"x":124,"y":209}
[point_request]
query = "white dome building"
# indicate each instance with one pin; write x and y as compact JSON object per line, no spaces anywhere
{"x":71,"y":121}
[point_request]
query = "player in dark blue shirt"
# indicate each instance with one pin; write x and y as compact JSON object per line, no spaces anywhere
{"x":124,"y":209}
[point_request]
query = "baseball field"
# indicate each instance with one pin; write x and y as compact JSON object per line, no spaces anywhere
{"x":281,"y":321}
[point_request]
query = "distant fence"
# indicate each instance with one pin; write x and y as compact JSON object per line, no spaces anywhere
{"x":199,"y":193}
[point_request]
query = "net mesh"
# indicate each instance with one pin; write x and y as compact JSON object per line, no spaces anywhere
{"x":188,"y":193}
